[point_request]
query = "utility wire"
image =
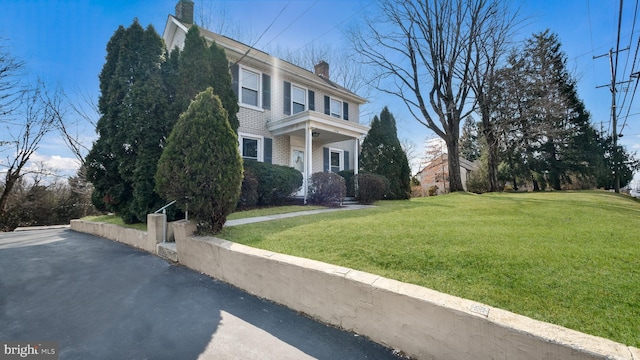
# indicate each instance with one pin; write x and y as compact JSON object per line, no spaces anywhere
{"x":261,"y":35}
{"x":626,"y":93}
{"x":358,"y":12}
{"x":291,"y":23}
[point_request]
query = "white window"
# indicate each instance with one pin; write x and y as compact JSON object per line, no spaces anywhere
{"x":249,"y":87}
{"x":335,"y":160}
{"x":336,"y":108}
{"x":251,"y":147}
{"x":298,"y":99}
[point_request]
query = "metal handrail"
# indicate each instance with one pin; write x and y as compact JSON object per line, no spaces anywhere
{"x":163,"y":209}
{"x":164,"y":220}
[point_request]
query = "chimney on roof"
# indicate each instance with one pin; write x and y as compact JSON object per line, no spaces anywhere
{"x":322,"y":69}
{"x":184,"y":11}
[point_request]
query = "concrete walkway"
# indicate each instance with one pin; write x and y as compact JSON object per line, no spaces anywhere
{"x":252,"y":220}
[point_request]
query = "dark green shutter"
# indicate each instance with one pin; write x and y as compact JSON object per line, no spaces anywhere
{"x":346,"y":160}
{"x":345,"y":111}
{"x":235,"y":76}
{"x":325,"y":159}
{"x":327,"y":105}
{"x":312,"y":101}
{"x":286,"y":105}
{"x":268,"y":150}
{"x":266,"y":92}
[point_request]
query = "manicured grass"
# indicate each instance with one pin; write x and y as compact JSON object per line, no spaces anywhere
{"x":275,"y":210}
{"x":115,"y":220}
{"x":569,"y":258}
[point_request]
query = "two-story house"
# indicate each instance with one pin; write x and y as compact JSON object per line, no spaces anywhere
{"x":288,"y":115}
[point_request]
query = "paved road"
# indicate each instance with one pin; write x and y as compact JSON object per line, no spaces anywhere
{"x":104,"y":300}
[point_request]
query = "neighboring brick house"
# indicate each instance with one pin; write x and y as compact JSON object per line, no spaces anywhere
{"x":288,"y":115}
{"x":436,"y":172}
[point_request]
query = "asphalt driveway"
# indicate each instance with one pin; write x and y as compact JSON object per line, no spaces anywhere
{"x":100,"y":299}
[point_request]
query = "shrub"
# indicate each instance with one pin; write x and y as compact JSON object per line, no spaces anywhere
{"x":433,"y":190}
{"x":477,"y":182}
{"x":327,"y":189}
{"x":200,"y":166}
{"x":249,"y":190}
{"x":371,"y":187}
{"x":349,"y":181}
{"x":417,"y":191}
{"x":275,"y":182}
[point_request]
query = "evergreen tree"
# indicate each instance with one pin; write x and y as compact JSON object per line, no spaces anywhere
{"x":201,"y":166}
{"x":201,"y":66}
{"x":469,"y":148}
{"x":541,"y":117}
{"x":382,"y":154}
{"x":133,"y":125}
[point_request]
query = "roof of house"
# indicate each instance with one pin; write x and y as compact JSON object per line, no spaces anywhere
{"x":248,"y":54}
{"x":443,"y":159}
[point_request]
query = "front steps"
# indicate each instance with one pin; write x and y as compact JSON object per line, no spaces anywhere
{"x":167,"y":250}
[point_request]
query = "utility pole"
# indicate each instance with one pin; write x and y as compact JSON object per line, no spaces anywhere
{"x":614,"y":115}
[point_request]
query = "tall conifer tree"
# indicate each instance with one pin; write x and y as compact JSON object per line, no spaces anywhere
{"x":382,"y":154}
{"x":201,"y":66}
{"x":132,"y":126}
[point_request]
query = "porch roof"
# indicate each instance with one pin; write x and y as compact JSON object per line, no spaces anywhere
{"x":326,"y":129}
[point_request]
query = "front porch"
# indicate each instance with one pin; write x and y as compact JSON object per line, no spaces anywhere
{"x":310,"y":131}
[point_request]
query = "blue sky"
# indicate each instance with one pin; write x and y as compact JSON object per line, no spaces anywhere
{"x":63,"y":42}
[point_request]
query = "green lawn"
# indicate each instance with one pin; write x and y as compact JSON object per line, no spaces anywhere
{"x":569,"y":258}
{"x":275,"y":210}
{"x":115,"y":220}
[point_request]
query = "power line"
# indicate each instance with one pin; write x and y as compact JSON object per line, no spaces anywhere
{"x":291,"y":23}
{"x":261,"y":35}
{"x":626,"y":93}
{"x":358,"y":12}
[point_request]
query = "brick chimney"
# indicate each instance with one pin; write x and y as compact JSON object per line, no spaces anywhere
{"x":184,"y":11}
{"x":322,"y":69}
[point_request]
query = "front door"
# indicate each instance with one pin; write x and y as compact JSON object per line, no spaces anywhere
{"x":297,"y":162}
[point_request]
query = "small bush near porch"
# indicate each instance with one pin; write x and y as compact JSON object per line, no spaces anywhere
{"x":569,"y":258}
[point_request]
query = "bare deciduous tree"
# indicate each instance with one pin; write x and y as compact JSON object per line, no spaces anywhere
{"x":489,"y":51}
{"x":425,"y":50}
{"x":344,"y":70}
{"x":34,"y":118}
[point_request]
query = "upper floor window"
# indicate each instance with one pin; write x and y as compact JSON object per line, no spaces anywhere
{"x":250,"y":87}
{"x":298,"y":99}
{"x":336,"y":108}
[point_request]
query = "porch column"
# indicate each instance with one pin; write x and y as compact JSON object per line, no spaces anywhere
{"x":307,"y":161}
{"x":356,"y":157}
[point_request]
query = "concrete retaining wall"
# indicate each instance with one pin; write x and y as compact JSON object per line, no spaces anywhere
{"x":145,"y":240}
{"x":423,"y":323}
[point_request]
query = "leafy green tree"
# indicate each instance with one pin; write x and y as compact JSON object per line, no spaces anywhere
{"x":382,"y":154}
{"x":133,"y":124}
{"x":200,"y":166}
{"x":201,"y":66}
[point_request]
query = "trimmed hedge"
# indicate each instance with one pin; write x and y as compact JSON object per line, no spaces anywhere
{"x":249,"y":191}
{"x":371,"y":187}
{"x":274,"y":184}
{"x":349,"y":181}
{"x":327,"y":189}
